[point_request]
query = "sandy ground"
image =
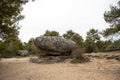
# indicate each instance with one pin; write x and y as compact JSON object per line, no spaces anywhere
{"x":22,"y":69}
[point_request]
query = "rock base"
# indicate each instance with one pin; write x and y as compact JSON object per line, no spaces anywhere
{"x":58,"y":59}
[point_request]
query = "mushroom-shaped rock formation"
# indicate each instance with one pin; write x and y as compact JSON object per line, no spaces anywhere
{"x":54,"y":45}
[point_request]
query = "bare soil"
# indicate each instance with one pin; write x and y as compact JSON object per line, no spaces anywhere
{"x":96,"y":69}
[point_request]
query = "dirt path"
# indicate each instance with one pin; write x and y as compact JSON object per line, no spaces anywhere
{"x":22,"y":69}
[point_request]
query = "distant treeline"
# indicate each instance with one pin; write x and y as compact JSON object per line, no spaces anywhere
{"x":10,"y":15}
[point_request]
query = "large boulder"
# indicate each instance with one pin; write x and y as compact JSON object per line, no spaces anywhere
{"x":54,"y":45}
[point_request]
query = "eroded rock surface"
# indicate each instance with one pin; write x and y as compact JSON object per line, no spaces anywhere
{"x":54,"y":45}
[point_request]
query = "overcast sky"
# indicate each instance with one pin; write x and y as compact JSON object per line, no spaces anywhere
{"x":63,"y":15}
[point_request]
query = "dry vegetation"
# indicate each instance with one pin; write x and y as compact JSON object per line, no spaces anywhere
{"x":96,"y":69}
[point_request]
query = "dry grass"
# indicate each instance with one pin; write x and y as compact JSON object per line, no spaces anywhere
{"x":22,"y":69}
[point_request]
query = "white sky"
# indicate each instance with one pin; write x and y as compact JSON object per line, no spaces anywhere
{"x":63,"y":15}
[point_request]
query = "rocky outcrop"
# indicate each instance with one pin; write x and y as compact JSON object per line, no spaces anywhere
{"x":54,"y":45}
{"x":23,"y":53}
{"x":113,"y":48}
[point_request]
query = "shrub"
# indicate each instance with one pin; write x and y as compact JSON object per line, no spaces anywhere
{"x":78,"y":55}
{"x":77,"y":51}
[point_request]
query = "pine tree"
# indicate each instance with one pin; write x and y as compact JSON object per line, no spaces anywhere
{"x":113,"y":18}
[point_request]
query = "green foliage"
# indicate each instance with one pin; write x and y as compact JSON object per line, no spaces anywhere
{"x":91,"y":40}
{"x":89,"y":47}
{"x":9,"y":47}
{"x":112,"y":17}
{"x":117,"y":42}
{"x":31,"y":47}
{"x":78,"y":39}
{"x":51,"y":33}
{"x":102,"y":45}
{"x":2,"y":49}
{"x":68,"y":34}
{"x":93,"y":35}
{"x":10,"y":16}
{"x":74,"y":36}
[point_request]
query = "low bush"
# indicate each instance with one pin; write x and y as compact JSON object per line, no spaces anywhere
{"x":78,"y":55}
